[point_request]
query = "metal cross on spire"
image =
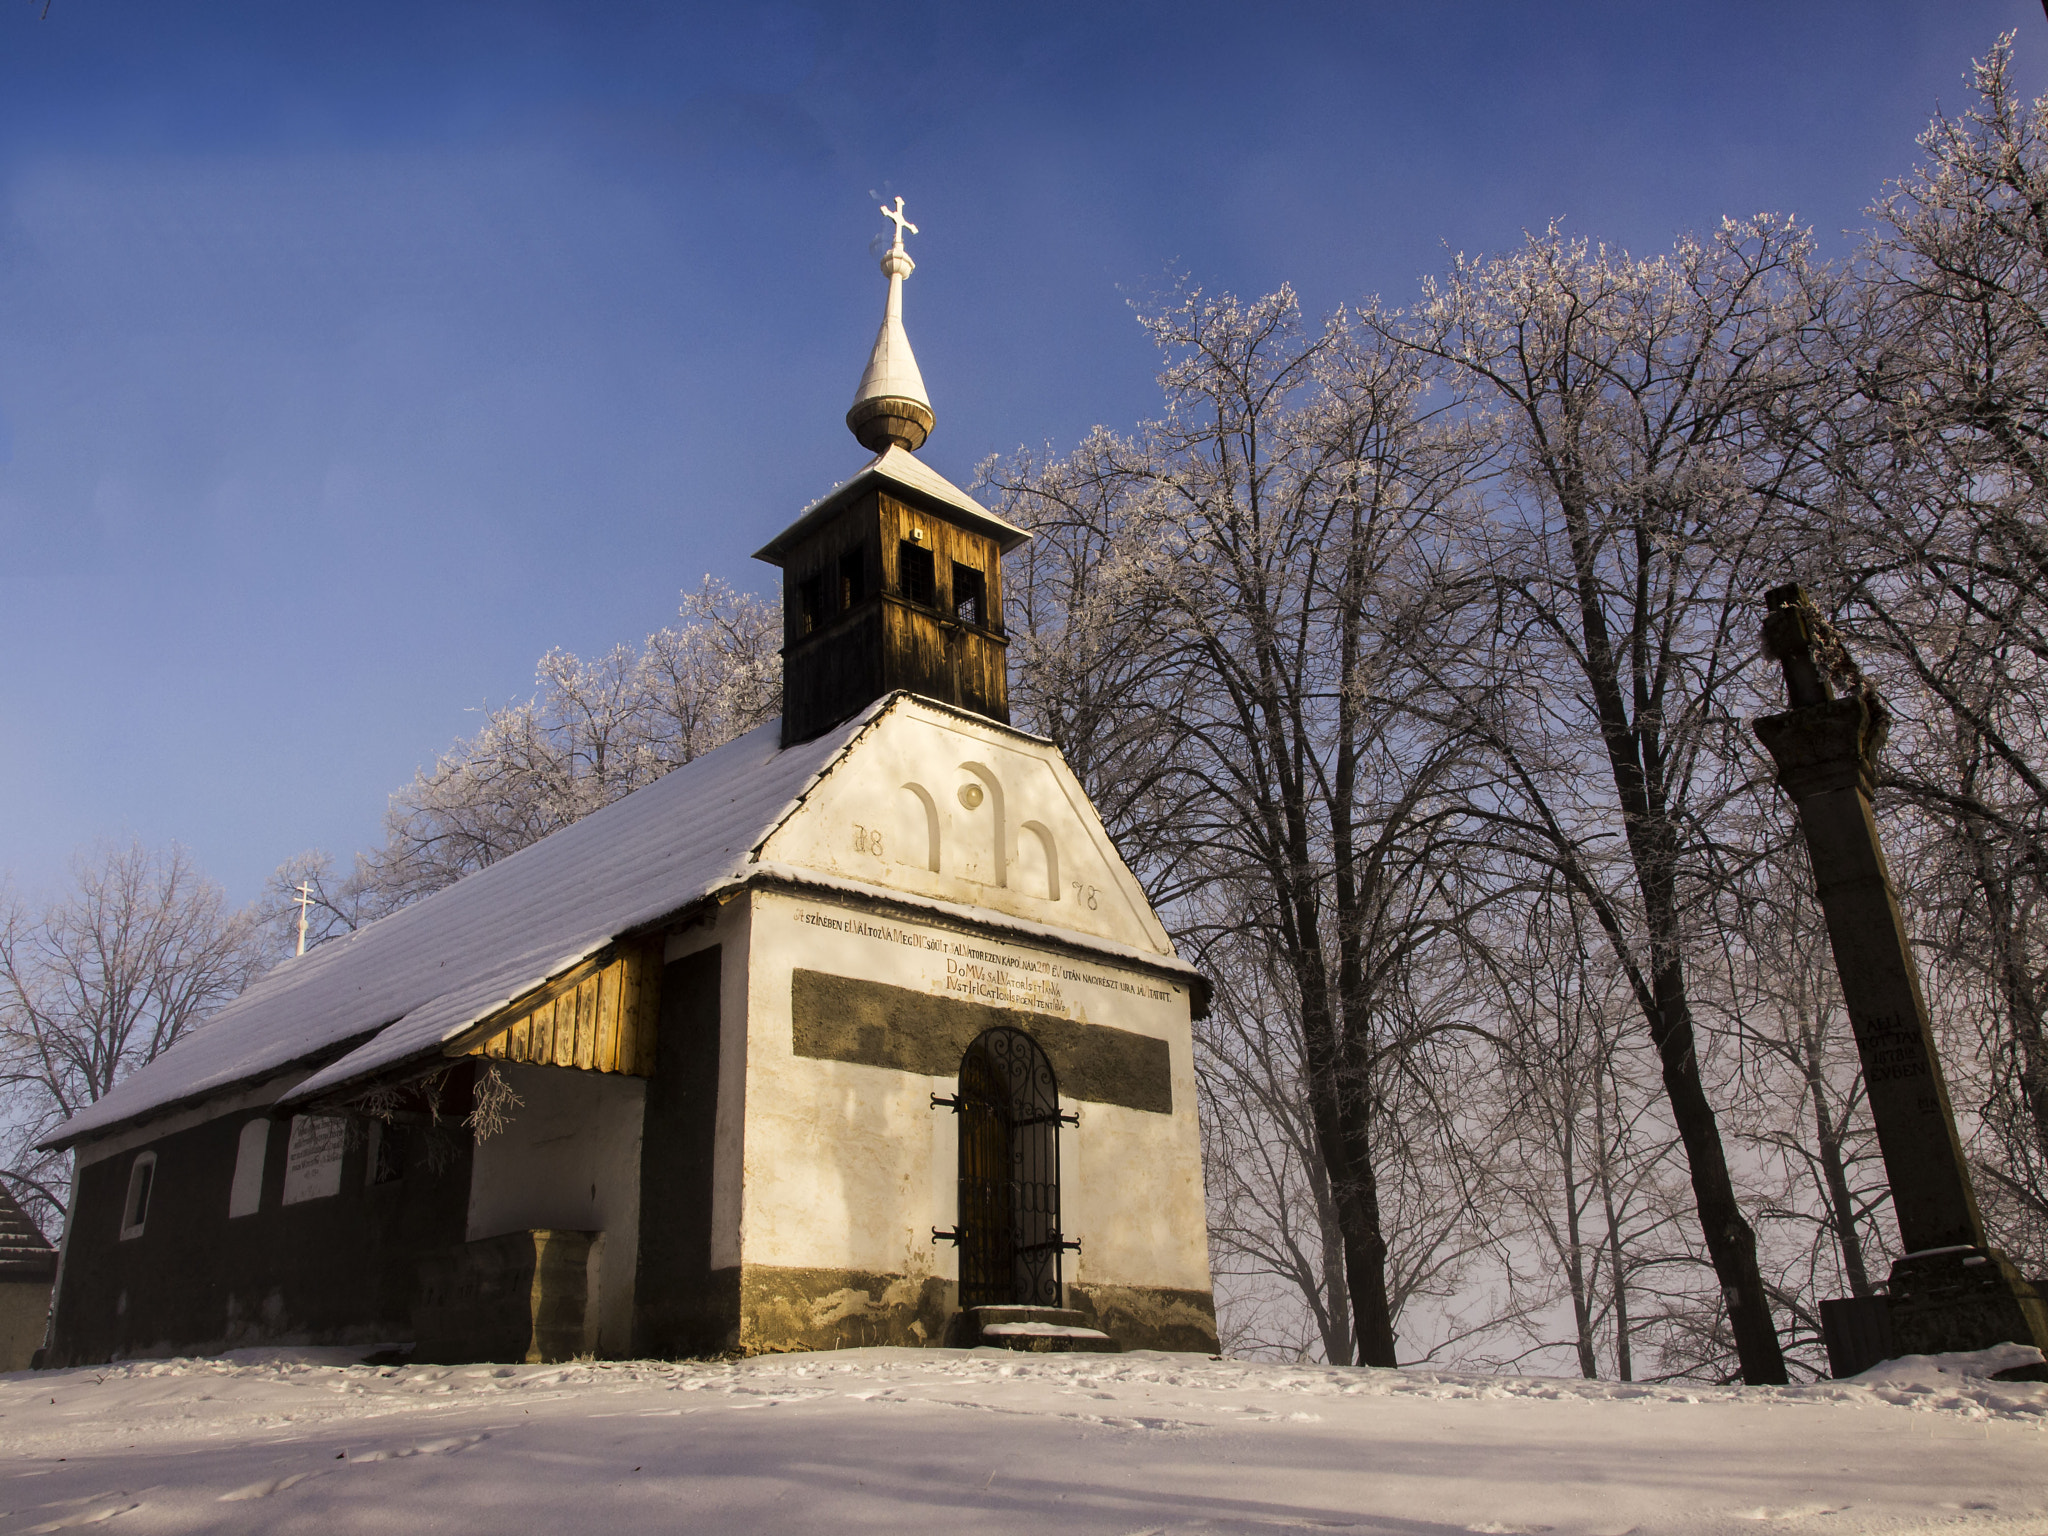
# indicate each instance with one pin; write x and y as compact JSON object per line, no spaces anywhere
{"x":890,"y":409}
{"x":902,"y":223}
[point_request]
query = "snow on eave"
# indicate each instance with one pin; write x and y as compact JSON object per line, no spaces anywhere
{"x":904,"y":471}
{"x":427,"y":971}
{"x":67,"y":1135}
{"x":404,"y":987}
{"x":425,"y":1036}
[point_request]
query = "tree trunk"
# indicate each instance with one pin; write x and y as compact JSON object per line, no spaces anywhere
{"x":1634,"y":758}
{"x":1730,"y":1241}
{"x":1575,"y":1262}
{"x":1828,"y":1136}
{"x":1624,"y":1355}
{"x":1333,"y":1317}
{"x":1343,"y":1136}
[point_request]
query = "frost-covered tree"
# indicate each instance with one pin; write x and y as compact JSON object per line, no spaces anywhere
{"x":593,"y":731}
{"x":1930,"y":535}
{"x":1208,"y":628}
{"x":102,"y":979}
{"x":1579,"y":1171}
{"x":1628,"y":524}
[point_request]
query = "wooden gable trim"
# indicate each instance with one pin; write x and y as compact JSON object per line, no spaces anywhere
{"x":599,"y":1016}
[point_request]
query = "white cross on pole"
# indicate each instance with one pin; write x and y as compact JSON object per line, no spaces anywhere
{"x":902,"y":223}
{"x":305,"y":900}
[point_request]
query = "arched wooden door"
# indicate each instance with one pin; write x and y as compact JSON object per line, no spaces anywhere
{"x":1009,"y":1228}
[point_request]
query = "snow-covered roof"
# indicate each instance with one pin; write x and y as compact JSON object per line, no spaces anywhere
{"x":25,"y":1254}
{"x":426,"y":972}
{"x":897,"y":470}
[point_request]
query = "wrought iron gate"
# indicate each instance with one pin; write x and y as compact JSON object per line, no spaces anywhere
{"x":1009,"y":1228}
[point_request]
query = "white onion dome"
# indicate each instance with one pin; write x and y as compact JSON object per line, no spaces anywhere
{"x":891,"y":409}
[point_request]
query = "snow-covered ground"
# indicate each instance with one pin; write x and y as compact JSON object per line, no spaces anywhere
{"x":901,"y":1441}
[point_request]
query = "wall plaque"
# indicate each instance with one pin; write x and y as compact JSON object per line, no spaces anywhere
{"x":312,"y":1165}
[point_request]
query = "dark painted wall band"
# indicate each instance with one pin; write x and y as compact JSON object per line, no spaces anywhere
{"x":841,"y":1018}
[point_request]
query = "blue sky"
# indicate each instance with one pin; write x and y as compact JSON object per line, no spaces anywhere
{"x":353,"y":356}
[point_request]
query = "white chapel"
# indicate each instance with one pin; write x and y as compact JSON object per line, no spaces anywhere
{"x":854,"y":1031}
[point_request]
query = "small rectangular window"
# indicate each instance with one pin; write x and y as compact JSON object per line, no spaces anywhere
{"x":386,"y":1162}
{"x":810,"y":598}
{"x":245,"y":1195}
{"x":970,"y":596}
{"x":853,"y":579}
{"x":917,"y":574}
{"x":135,"y":1209}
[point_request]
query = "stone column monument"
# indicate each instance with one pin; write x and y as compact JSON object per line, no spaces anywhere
{"x":1949,"y":1289}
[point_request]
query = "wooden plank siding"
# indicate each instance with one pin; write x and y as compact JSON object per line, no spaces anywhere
{"x":838,"y":659}
{"x":599,"y":1017}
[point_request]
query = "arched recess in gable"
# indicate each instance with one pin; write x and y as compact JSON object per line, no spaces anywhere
{"x":1038,"y":861}
{"x":924,"y":819}
{"x":993,"y":835}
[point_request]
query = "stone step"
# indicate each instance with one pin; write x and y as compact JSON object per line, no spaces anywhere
{"x":1037,"y":1330}
{"x":1049,"y":1339}
{"x":1063,"y":1316}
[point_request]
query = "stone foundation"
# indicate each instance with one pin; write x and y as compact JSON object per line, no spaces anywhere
{"x":1149,"y":1317}
{"x":800,"y":1309}
{"x":793,"y":1309}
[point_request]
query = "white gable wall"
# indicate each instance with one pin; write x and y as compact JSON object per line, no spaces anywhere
{"x":849,"y":1167}
{"x":946,"y":807}
{"x":839,"y":1157}
{"x":846,"y":1166}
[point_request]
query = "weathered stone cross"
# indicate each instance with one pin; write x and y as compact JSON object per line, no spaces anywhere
{"x":902,"y":223}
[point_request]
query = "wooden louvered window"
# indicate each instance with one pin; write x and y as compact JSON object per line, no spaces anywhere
{"x":810,"y":597}
{"x":970,"y":595}
{"x":917,"y":574}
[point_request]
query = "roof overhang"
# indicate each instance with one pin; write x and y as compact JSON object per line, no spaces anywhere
{"x":903,"y":475}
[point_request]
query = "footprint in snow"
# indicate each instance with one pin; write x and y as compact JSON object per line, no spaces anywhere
{"x":263,"y":1490}
{"x":431,"y":1448}
{"x":83,"y":1517}
{"x":1796,"y":1512}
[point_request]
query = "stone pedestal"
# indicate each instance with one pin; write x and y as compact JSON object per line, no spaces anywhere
{"x":1963,"y":1298}
{"x":1950,"y":1291}
{"x":521,"y":1296}
{"x":1857,"y":1331}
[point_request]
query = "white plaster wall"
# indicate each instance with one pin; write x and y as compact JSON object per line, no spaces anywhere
{"x":850,"y":1167}
{"x":967,"y":812}
{"x":570,"y":1160}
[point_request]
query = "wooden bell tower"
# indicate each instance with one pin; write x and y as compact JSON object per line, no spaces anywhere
{"x":895,"y":580}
